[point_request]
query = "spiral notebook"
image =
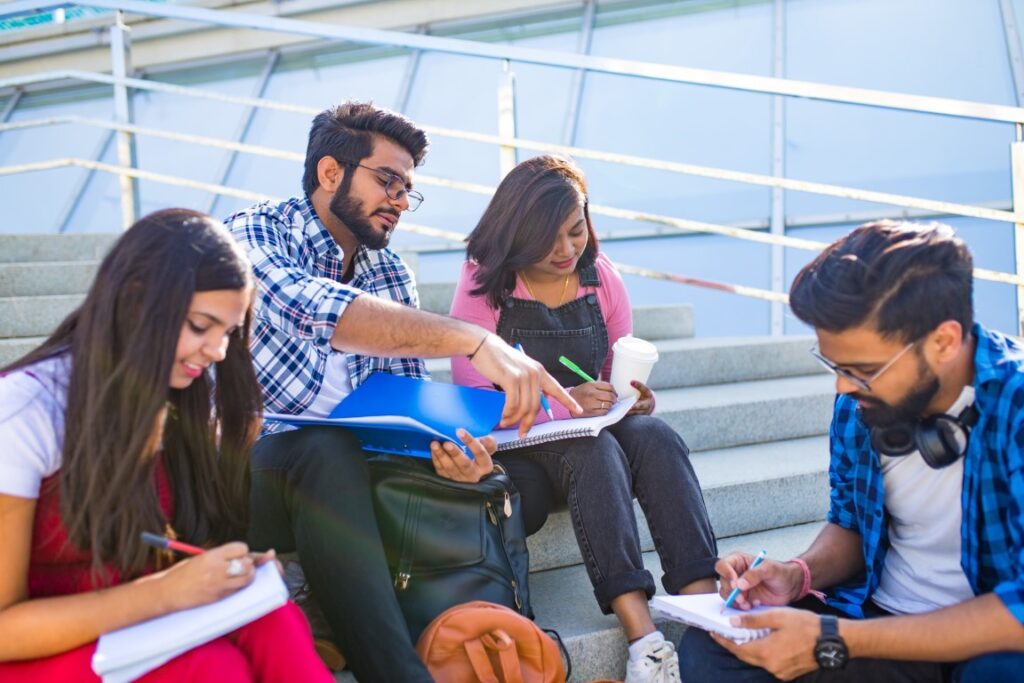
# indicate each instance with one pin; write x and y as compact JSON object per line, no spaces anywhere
{"x":128,"y":653}
{"x":563,"y":429}
{"x":705,"y":612}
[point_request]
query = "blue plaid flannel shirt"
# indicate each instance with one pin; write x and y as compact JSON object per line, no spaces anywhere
{"x":992,"y":529}
{"x":300,"y":300}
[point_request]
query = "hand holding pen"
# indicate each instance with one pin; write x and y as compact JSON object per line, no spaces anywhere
{"x":757,"y":581}
{"x":595,"y":397}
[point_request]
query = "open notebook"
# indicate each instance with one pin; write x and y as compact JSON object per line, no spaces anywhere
{"x":563,"y":429}
{"x":130,"y":652}
{"x":705,"y":612}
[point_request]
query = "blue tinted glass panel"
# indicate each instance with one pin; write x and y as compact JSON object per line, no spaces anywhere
{"x":946,"y":48}
{"x":995,"y":304}
{"x":462,"y":93}
{"x":177,"y":113}
{"x":680,"y":122}
{"x":44,"y":196}
{"x":317,"y":81}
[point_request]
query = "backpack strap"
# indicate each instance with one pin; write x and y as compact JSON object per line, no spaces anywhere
{"x":480,"y":662}
{"x":511,"y":668}
{"x":499,"y":641}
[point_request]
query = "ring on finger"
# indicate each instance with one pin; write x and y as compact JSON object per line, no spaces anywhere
{"x":235,"y":567}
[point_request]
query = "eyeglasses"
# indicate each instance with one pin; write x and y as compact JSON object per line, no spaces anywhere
{"x":860,"y":382}
{"x":394,"y":187}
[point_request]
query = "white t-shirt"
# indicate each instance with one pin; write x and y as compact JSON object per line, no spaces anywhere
{"x":32,"y":404}
{"x":922,"y":569}
{"x":337,"y":385}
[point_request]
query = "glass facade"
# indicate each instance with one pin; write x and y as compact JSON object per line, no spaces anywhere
{"x":944,"y":48}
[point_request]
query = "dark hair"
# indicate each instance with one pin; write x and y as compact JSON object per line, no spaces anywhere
{"x":122,"y":342}
{"x":521,"y":222}
{"x":346,"y":133}
{"x":903,"y":279}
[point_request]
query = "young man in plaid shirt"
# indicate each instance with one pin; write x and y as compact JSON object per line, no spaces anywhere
{"x":334,"y":305}
{"x":922,"y":556}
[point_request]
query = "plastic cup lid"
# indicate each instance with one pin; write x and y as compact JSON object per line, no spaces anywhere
{"x":637,"y":348}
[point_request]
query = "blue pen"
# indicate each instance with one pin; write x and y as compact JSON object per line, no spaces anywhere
{"x":543,"y":399}
{"x":736,"y":591}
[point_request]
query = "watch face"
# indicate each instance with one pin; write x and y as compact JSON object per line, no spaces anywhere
{"x":830,"y":654}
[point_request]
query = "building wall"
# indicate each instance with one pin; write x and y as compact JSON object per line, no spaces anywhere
{"x":946,"y":48}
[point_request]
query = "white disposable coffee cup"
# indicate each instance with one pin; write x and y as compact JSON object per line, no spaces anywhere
{"x":632,"y":359}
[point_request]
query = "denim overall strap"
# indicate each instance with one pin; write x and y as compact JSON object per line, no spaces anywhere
{"x":576,"y":330}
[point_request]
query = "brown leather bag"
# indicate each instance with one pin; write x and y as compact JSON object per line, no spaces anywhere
{"x":481,"y":642}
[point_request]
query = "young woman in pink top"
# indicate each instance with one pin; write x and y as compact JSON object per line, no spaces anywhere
{"x":534,"y":276}
{"x":114,"y":426}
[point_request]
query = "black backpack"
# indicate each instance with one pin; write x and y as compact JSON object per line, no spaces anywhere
{"x":449,"y":542}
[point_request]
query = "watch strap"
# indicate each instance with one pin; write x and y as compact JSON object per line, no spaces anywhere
{"x":829,"y":627}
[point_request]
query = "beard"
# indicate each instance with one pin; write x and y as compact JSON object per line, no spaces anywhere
{"x":877,"y":413}
{"x":350,"y":212}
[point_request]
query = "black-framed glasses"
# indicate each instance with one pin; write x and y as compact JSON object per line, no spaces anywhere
{"x":394,"y":187}
{"x":862,"y":383}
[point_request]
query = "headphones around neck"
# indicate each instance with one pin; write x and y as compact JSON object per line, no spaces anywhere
{"x":941,"y":439}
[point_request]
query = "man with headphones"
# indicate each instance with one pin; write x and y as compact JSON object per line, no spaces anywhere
{"x":922,"y":556}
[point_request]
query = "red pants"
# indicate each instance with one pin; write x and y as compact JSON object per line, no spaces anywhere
{"x":276,"y":647}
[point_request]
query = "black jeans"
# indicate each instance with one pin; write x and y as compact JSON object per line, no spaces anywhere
{"x":311,"y":494}
{"x":703,"y":660}
{"x":598,"y":478}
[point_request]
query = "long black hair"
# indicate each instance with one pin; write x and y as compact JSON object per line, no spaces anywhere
{"x":122,"y":342}
{"x":520,"y":224}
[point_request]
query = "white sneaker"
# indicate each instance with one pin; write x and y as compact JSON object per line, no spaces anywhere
{"x":657,"y":663}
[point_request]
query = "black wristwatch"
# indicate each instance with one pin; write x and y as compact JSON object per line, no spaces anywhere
{"x":830,"y":652}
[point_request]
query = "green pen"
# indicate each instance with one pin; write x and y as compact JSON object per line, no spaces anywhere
{"x":575,"y":368}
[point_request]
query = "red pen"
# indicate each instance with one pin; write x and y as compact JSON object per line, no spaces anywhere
{"x":158,"y":541}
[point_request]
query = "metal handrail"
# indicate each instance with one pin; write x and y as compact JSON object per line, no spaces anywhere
{"x":506,"y":142}
{"x":64,"y":162}
{"x":906,"y":201}
{"x":456,"y":237}
{"x":623,"y":67}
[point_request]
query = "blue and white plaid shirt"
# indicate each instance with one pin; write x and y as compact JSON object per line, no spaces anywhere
{"x":300,"y":300}
{"x":992,"y":527}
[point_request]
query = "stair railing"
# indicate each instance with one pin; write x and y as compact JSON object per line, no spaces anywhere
{"x":507,"y":141}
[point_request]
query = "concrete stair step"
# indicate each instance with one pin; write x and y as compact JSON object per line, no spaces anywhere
{"x":85,"y":247}
{"x":712,"y":360}
{"x":737,"y":485}
{"x":726,"y":415}
{"x":32,"y":316}
{"x":46,"y":278}
{"x":563,"y":600}
{"x":13,"y":349}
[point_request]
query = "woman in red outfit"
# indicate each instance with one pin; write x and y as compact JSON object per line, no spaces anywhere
{"x":114,"y":426}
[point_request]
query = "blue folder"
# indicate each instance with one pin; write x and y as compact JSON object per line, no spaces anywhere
{"x":402,"y":415}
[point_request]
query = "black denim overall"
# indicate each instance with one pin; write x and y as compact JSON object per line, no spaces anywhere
{"x":599,"y":476}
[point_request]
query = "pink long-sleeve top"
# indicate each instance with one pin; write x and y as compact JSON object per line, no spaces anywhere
{"x":612,"y":299}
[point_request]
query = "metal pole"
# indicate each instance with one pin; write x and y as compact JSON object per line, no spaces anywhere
{"x":16,"y":96}
{"x":244,"y":124}
{"x":412,"y":66}
{"x":120,"y":60}
{"x":507,"y":118}
{"x":1013,"y":50}
{"x":1017,"y":179}
{"x":76,"y":194}
{"x":572,"y":113}
{"x":778,"y":219}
